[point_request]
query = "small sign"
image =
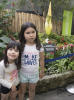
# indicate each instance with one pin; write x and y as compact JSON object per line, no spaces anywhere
{"x":49,"y":48}
{"x":49,"y":51}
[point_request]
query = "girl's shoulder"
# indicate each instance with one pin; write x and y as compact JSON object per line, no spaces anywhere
{"x":2,"y":63}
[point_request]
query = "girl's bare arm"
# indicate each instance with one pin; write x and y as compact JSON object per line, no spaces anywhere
{"x":41,"y":64}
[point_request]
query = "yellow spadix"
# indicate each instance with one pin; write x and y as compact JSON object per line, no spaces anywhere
{"x":48,"y":23}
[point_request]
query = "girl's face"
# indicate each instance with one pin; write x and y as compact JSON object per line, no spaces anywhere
{"x":12,"y":54}
{"x":30,"y":35}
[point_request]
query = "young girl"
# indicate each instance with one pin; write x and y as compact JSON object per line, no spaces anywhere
{"x":32,"y":53}
{"x":9,"y":71}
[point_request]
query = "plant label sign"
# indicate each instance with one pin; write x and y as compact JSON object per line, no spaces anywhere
{"x":49,"y":51}
{"x":49,"y":48}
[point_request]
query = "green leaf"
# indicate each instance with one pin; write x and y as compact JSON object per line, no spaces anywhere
{"x":1,"y":31}
{"x":5,"y":39}
{"x":2,"y":45}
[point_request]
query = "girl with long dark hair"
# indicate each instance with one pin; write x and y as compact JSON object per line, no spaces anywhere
{"x":32,"y":57}
{"x":9,"y":68}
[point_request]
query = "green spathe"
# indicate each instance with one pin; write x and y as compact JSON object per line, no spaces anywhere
{"x":67,"y":23}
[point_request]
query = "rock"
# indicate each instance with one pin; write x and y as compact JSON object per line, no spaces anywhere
{"x":49,"y":82}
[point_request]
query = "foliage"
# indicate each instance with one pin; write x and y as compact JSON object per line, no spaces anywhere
{"x":64,"y":46}
{"x":40,"y":7}
{"x":5,"y":22}
{"x":57,"y":6}
{"x":3,"y":42}
{"x":56,"y":38}
{"x":60,"y":66}
{"x":71,"y":65}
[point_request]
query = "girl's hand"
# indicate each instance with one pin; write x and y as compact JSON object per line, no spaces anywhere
{"x":13,"y":88}
{"x":41,"y":74}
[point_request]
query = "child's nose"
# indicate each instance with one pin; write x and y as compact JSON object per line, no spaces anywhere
{"x":31,"y":34}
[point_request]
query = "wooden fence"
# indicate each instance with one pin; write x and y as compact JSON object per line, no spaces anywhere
{"x":39,"y":21}
{"x":21,"y":18}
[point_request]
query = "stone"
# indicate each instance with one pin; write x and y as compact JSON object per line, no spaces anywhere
{"x":54,"y":81}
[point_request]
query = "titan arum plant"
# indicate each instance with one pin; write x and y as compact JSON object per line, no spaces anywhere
{"x":48,"y":22}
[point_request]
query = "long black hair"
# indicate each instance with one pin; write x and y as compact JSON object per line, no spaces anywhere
{"x":13,"y":44}
{"x":22,"y":38}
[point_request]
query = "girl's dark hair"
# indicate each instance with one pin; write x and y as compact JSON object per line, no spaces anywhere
{"x":13,"y":44}
{"x":22,"y":38}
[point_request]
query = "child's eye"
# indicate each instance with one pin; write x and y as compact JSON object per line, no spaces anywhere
{"x":16,"y":50}
{"x":27,"y":32}
{"x":30,"y":32}
{"x":33,"y":31}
